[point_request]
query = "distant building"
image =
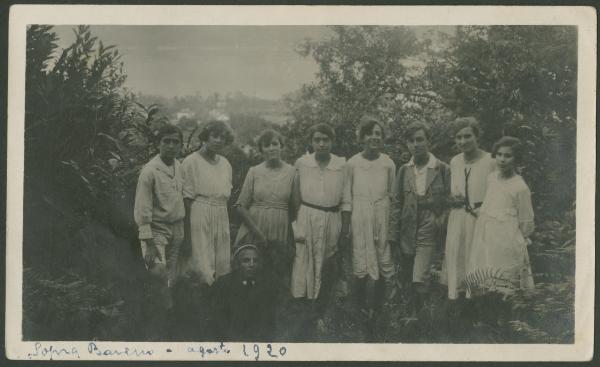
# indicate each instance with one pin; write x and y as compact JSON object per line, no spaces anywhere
{"x":219,"y":113}
{"x":186,"y":112}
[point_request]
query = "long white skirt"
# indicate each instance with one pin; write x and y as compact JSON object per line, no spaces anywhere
{"x":211,"y":249}
{"x":371,"y":252}
{"x":321,"y":231}
{"x":458,"y":248}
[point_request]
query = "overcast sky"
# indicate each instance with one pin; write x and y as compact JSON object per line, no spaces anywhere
{"x":182,"y":60}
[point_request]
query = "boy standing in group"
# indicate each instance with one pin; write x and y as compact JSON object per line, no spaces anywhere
{"x":159,"y":214}
{"x":418,"y":214}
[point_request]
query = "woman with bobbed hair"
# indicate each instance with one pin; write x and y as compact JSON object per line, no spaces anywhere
{"x":499,"y":260}
{"x":264,"y":203}
{"x":370,"y":183}
{"x":323,"y":214}
{"x":468,"y":171}
{"x":206,"y":188}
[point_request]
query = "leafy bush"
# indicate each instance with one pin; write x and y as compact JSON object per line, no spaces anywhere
{"x":73,"y":308}
{"x":533,"y":310}
{"x":518,"y":81}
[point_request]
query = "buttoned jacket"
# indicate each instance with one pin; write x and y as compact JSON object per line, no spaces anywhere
{"x":405,"y":203}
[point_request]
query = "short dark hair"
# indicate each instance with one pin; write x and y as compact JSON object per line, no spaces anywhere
{"x":462,"y":122}
{"x":323,"y":129}
{"x":414,"y":127}
{"x":218,"y":127}
{"x":366,"y":127}
{"x":167,"y":129}
{"x":268,"y":136}
{"x":511,"y":142}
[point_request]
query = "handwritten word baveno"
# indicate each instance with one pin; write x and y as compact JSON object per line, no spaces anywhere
{"x":94,"y":349}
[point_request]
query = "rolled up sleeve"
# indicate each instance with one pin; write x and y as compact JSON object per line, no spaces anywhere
{"x":142,"y":211}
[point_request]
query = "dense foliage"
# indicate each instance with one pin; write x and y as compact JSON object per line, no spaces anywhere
{"x":518,"y":81}
{"x":86,"y":139}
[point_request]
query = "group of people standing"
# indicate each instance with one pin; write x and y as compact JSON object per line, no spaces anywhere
{"x":296,"y":218}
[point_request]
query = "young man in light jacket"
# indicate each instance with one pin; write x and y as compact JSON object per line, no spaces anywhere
{"x":159,"y":212}
{"x":418,"y":215}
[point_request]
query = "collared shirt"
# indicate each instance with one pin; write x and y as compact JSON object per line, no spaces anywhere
{"x":158,"y":196}
{"x":421,"y":173}
{"x":324,"y":187}
{"x":202,"y":178}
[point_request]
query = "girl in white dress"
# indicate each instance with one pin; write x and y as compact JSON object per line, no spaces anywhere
{"x":322,"y":219}
{"x":370,"y":180}
{"x":499,"y":260}
{"x":469,"y":171}
{"x":206,"y":188}
{"x":323,"y":214}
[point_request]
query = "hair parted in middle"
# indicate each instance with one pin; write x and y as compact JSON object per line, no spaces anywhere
{"x":323,"y":129}
{"x":167,"y":129}
{"x":367,"y":123}
{"x":462,"y":122}
{"x":268,"y":136}
{"x":413,"y":128}
{"x":217,"y":127}
{"x":511,"y":142}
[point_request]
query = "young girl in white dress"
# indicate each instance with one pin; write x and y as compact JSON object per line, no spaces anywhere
{"x":207,"y":186}
{"x":370,"y":181}
{"x":499,"y":260}
{"x":468,"y":183}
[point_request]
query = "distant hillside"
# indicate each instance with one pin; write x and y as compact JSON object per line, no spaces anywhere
{"x":201,"y":108}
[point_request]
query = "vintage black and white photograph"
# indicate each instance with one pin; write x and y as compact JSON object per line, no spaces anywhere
{"x":299,"y":183}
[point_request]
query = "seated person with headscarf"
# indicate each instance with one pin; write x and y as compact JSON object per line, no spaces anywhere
{"x":243,"y":300}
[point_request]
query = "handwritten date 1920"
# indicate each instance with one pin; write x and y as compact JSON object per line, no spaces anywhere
{"x":266,"y":352}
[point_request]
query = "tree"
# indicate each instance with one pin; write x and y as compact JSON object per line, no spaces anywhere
{"x":521,"y":81}
{"x":72,"y":105}
{"x":364,"y":70}
{"x":85,"y":139}
{"x":248,"y":127}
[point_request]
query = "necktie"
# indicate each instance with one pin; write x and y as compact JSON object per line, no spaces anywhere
{"x":468,"y":207}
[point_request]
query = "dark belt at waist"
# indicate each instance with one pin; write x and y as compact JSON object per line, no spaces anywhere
{"x":462,"y":205}
{"x":322,"y":208}
{"x":470,"y":209}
